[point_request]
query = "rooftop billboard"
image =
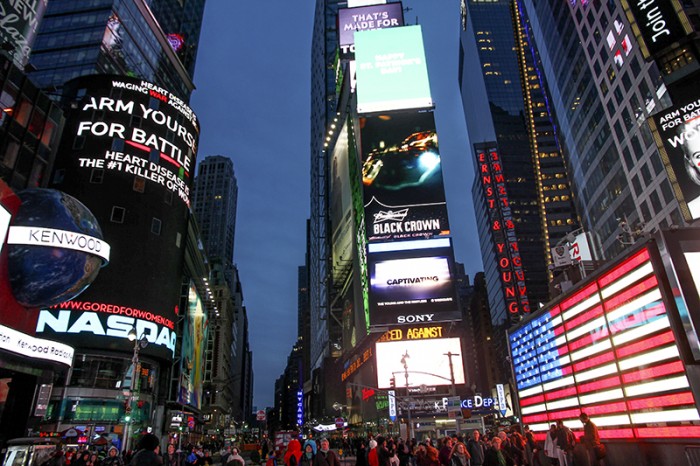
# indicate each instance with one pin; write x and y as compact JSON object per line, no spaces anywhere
{"x":402,"y":176}
{"x":351,"y":20}
{"x":391,"y":70}
{"x":128,"y":153}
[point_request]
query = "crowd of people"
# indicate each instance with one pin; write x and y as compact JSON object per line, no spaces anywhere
{"x":512,"y":447}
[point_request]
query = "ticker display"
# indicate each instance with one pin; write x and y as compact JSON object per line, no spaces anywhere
{"x":128,"y":154}
{"x":391,"y":70}
{"x":402,"y":177}
{"x":607,"y":350}
{"x":412,"y":282}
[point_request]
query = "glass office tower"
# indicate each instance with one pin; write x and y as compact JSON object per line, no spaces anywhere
{"x":121,"y":37}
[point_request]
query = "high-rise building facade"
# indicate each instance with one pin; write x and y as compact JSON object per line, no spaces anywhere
{"x":522,"y":198}
{"x":215,"y":201}
{"x":122,"y":37}
{"x":324,"y":101}
{"x":602,"y":92}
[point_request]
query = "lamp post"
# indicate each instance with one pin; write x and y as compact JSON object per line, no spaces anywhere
{"x":139,"y":343}
{"x":449,"y":355}
{"x":408,"y":401}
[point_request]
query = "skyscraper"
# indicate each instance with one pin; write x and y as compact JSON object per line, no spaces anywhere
{"x":521,"y":194}
{"x":122,"y":37}
{"x":602,"y":93}
{"x":215,"y":200}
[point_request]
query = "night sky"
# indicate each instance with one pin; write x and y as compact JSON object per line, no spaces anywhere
{"x":253,"y":100}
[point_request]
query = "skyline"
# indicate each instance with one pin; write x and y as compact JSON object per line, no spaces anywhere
{"x":274,"y":95}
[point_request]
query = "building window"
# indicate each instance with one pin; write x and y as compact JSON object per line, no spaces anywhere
{"x":155,"y":226}
{"x":139,"y":184}
{"x":118,"y":214}
{"x":97,"y":176}
{"x":169,"y":197}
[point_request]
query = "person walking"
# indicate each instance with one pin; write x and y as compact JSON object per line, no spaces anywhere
{"x":361,"y":453}
{"x":146,"y":452}
{"x":476,"y":449}
{"x":550,"y":444}
{"x":171,"y":457}
{"x":325,"y":456}
{"x":459,"y":456}
{"x":566,"y":441}
{"x":113,"y":458}
{"x":591,"y":440}
{"x":308,"y":457}
{"x":372,"y":457}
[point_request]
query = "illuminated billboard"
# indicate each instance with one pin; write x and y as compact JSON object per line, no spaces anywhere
{"x":427,"y":362}
{"x":391,"y":70}
{"x":128,"y":154}
{"x":657,"y":21}
{"x":19,"y":22}
{"x":502,"y":226}
{"x":351,"y":20}
{"x":194,"y":347}
{"x":677,"y":134}
{"x":607,"y":349}
{"x":412,"y":282}
{"x":403,"y":189}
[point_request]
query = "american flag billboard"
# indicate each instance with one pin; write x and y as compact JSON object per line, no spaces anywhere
{"x":607,"y":350}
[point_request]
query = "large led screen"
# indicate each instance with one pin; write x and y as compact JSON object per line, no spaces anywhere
{"x":427,"y":362}
{"x":19,"y":24}
{"x":128,"y":153}
{"x":412,"y":282}
{"x":658,"y":23}
{"x":391,"y":70}
{"x":608,"y":350}
{"x":403,"y":189}
{"x":194,"y":346}
{"x":678,"y":130}
{"x":351,"y":20}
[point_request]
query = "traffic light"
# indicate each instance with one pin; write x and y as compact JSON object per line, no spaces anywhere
{"x":392,"y":382}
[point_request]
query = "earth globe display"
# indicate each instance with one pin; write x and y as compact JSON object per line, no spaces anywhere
{"x":42,"y":276}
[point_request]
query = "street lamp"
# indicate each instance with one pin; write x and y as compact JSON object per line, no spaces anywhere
{"x":408,"y":401}
{"x":139,"y":344}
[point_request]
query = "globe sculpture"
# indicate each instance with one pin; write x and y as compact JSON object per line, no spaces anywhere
{"x":42,"y":276}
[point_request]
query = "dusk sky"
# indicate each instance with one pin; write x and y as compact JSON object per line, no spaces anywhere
{"x":253,"y":100}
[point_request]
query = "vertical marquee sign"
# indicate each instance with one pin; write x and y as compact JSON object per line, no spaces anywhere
{"x":503,"y":229}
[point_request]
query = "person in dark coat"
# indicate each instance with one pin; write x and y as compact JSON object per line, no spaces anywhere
{"x":361,"y":452}
{"x":146,"y":452}
{"x":476,"y":449}
{"x":172,"y":457}
{"x":325,"y":456}
{"x":113,"y":458}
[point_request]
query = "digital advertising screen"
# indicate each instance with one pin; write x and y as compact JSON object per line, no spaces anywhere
{"x":658,"y":23}
{"x":607,"y":349}
{"x":194,"y":346}
{"x":391,"y":70}
{"x":402,"y":180}
{"x":677,"y":134}
{"x":128,"y":153}
{"x":412,"y":282}
{"x":351,"y":20}
{"x":427,"y":361}
{"x":19,"y":22}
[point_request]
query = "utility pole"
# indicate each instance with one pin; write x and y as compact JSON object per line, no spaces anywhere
{"x":408,"y":401}
{"x":449,"y":355}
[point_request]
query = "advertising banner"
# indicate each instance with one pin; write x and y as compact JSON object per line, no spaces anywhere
{"x":403,"y":190}
{"x":677,"y":132}
{"x":427,"y":362}
{"x":658,"y":23}
{"x":128,"y":154}
{"x":19,"y":22}
{"x":391,"y":70}
{"x":194,"y":346}
{"x":412,"y":282}
{"x":351,"y":20}
{"x":607,"y":348}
